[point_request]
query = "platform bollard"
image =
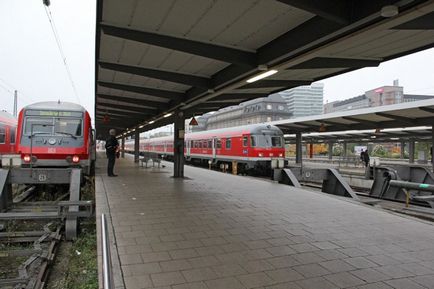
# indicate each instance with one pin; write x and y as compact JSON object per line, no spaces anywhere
{"x":234,"y":167}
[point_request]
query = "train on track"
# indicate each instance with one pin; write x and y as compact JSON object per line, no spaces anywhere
{"x":8,"y":126}
{"x":56,"y":134}
{"x":252,"y":147}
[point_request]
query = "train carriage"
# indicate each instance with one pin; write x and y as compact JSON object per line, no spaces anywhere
{"x":8,"y":125}
{"x":55,"y":134}
{"x":252,"y":146}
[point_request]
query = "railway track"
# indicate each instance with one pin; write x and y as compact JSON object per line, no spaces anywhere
{"x":30,"y":233}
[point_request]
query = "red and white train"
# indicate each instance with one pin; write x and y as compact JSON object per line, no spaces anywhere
{"x":8,"y":126}
{"x":251,"y":146}
{"x":55,"y":134}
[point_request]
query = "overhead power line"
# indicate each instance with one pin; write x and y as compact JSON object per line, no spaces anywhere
{"x":59,"y":46}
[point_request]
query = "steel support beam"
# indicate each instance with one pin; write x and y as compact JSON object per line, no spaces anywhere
{"x":136,"y":146}
{"x":123,"y":147}
{"x":139,"y":101}
{"x":298,"y":148}
{"x":332,"y":62}
{"x":127,"y":107}
{"x":276,"y":83}
{"x":238,"y":96}
{"x":402,"y":155}
{"x":431,"y":149}
{"x":173,"y":95}
{"x":330,"y":150}
{"x":361,"y":121}
{"x":178,"y":149}
{"x":212,"y":51}
{"x":336,"y":11}
{"x":170,"y":76}
{"x":411,"y":151}
{"x":400,"y":119}
{"x":344,"y":149}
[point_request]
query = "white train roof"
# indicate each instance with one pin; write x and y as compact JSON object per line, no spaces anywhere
{"x":56,"y":105}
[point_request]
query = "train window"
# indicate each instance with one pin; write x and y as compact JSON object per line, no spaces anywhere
{"x":2,"y":134}
{"x":253,"y":141}
{"x":205,"y":144}
{"x":13,"y":131}
{"x":67,"y":126}
{"x":245,"y":140}
{"x":210,"y":144}
{"x":40,"y":125}
{"x":276,"y":141}
{"x":199,"y":144}
{"x":219,"y":144}
{"x":228,"y":143}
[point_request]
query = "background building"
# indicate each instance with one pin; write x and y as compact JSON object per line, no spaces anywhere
{"x":384,"y":95}
{"x":304,"y":100}
{"x":264,"y":109}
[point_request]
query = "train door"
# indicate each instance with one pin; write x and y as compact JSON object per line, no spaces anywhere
{"x":245,"y":141}
{"x":188,"y":146}
{"x":214,"y":147}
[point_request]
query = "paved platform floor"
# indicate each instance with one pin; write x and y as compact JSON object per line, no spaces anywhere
{"x":218,"y":231}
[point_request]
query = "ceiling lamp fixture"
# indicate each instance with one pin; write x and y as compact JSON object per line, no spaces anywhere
{"x":167,"y":115}
{"x":261,"y":76}
{"x":151,"y":122}
{"x":389,"y":11}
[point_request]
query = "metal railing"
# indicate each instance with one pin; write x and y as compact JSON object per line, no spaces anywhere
{"x":107,"y":273}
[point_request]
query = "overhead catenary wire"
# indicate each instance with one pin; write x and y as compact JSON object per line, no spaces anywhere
{"x":59,"y":45}
{"x":10,"y":88}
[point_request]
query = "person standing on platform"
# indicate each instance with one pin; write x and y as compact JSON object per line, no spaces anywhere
{"x":366,"y":158}
{"x":362,"y":156}
{"x":111,"y":149}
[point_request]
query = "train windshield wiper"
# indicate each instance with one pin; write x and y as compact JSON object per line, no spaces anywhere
{"x":66,"y":133}
{"x":38,"y":133}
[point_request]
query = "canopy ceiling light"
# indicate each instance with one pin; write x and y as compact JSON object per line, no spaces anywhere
{"x":151,"y":122}
{"x":261,"y":76}
{"x":389,"y":11}
{"x":168,"y":114}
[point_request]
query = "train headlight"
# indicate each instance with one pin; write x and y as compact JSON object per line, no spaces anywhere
{"x":27,"y":158}
{"x":261,"y":154}
{"x":280,"y":155}
{"x":75,"y":159}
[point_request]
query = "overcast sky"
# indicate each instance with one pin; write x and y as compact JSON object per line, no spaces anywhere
{"x":31,"y":63}
{"x":30,"y":60}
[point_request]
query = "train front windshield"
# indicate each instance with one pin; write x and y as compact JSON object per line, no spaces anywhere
{"x":64,"y":123}
{"x":266,"y":141}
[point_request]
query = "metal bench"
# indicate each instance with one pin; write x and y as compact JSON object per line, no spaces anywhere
{"x":144,"y":162}
{"x":150,"y":157}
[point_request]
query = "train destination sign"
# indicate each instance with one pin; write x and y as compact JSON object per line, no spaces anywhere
{"x":54,"y":113}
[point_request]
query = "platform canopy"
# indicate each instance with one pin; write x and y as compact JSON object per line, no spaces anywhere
{"x":402,"y":115}
{"x":189,"y":57}
{"x":423,"y":133}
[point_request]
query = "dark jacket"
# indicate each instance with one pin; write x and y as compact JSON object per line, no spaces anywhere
{"x":366,"y":157}
{"x":111,"y":145}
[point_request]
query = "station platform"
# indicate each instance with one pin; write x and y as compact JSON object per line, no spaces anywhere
{"x":218,"y":231}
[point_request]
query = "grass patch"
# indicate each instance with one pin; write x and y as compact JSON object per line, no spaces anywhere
{"x":83,"y":269}
{"x":76,"y":262}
